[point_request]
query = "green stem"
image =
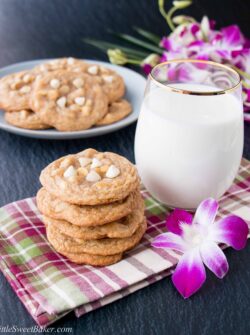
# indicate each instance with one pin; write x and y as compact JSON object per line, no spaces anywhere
{"x":140,"y":43}
{"x":105,"y":45}
{"x":167,"y":15}
{"x":242,"y":73}
{"x":245,"y":84}
{"x":134,"y":61}
{"x":148,"y":35}
{"x":169,"y":18}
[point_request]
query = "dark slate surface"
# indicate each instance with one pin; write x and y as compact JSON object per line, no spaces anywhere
{"x":31,"y":29}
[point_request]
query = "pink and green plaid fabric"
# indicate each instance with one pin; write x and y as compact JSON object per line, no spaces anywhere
{"x":50,"y":286}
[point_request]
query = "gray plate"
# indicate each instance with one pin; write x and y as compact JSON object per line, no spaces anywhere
{"x":135,"y":85}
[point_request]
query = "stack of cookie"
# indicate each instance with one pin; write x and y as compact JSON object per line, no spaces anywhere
{"x":92,"y":206}
{"x":67,"y":94}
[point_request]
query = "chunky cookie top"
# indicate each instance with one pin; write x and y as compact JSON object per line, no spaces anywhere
{"x":70,"y":63}
{"x":68,"y":100}
{"x":25,"y":118}
{"x":15,"y":90}
{"x":112,"y":82}
{"x":90,"y":177}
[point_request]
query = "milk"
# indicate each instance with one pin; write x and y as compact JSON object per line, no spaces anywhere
{"x":188,"y":147}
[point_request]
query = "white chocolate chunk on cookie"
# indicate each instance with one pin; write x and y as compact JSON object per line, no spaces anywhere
{"x":70,"y":61}
{"x":55,"y":83}
{"x":84,"y":161}
{"x":80,"y":101}
{"x":93,"y":69}
{"x":78,"y":82}
{"x":112,"y":172}
{"x":25,"y":89}
{"x":70,"y":172}
{"x":108,"y":79}
{"x":27,"y":78}
{"x":61,"y":102}
{"x":93,"y":176}
{"x":95,"y":163}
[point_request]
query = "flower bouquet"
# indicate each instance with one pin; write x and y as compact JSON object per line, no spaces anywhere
{"x":188,"y":39}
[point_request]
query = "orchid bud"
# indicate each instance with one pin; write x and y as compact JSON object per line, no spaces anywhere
{"x":181,"y":4}
{"x":116,"y":56}
{"x":182,"y":19}
{"x":152,"y":59}
{"x":205,"y":28}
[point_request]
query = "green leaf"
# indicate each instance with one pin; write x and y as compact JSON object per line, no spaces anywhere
{"x":139,"y":42}
{"x":150,"y":36}
{"x":104,"y":46}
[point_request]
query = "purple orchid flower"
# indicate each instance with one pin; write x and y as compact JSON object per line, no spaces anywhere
{"x":197,"y":238}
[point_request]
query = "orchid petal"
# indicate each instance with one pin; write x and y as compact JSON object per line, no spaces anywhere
{"x":206,"y":212}
{"x":169,"y":241}
{"x":231,"y":230}
{"x":214,"y":259}
{"x":176,"y":218}
{"x":232,"y":35}
{"x":190,"y":273}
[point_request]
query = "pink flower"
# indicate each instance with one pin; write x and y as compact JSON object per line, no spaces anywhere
{"x":197,"y":238}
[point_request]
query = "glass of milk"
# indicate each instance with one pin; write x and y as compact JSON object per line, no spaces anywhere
{"x":189,"y":136}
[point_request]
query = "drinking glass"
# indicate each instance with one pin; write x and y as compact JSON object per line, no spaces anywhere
{"x":189,"y":136}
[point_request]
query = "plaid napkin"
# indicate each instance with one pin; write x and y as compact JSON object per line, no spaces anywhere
{"x":50,"y":286}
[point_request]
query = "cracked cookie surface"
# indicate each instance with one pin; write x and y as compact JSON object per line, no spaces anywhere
{"x":26,"y":119}
{"x":85,"y":215}
{"x":90,"y":178}
{"x":103,"y":247}
{"x":68,"y":101}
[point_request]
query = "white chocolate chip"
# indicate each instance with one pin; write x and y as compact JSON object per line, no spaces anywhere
{"x":78,"y":82}
{"x":84,"y":161}
{"x":43,"y":67}
{"x":23,"y":114}
{"x":95,"y":163}
{"x":93,"y":176}
{"x":93,"y":69}
{"x":70,"y":172}
{"x":108,"y":79}
{"x":112,"y":172}
{"x":27,"y":78}
{"x":70,"y":61}
{"x":25,"y":89}
{"x":54,"y":83}
{"x":61,"y":102}
{"x":80,"y":101}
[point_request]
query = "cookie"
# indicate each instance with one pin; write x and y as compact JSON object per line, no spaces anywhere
{"x":124,"y":227}
{"x":117,"y":111}
{"x":111,"y":81}
{"x":25,"y":118}
{"x":86,"y":216}
{"x":94,"y":260}
{"x":69,"y":63}
{"x":68,"y":101}
{"x":103,"y":247}
{"x":15,"y":90}
{"x":90,"y":178}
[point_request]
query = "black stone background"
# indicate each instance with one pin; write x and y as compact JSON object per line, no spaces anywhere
{"x":32,"y":29}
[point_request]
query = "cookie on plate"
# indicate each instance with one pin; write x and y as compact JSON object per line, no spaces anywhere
{"x":66,"y":63}
{"x":25,"y":118}
{"x":90,"y":178}
{"x":94,"y":260}
{"x":86,"y":216}
{"x":15,"y":90}
{"x":68,"y":101}
{"x":103,"y":247}
{"x":124,"y":227}
{"x":111,"y":81}
{"x":117,"y":111}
